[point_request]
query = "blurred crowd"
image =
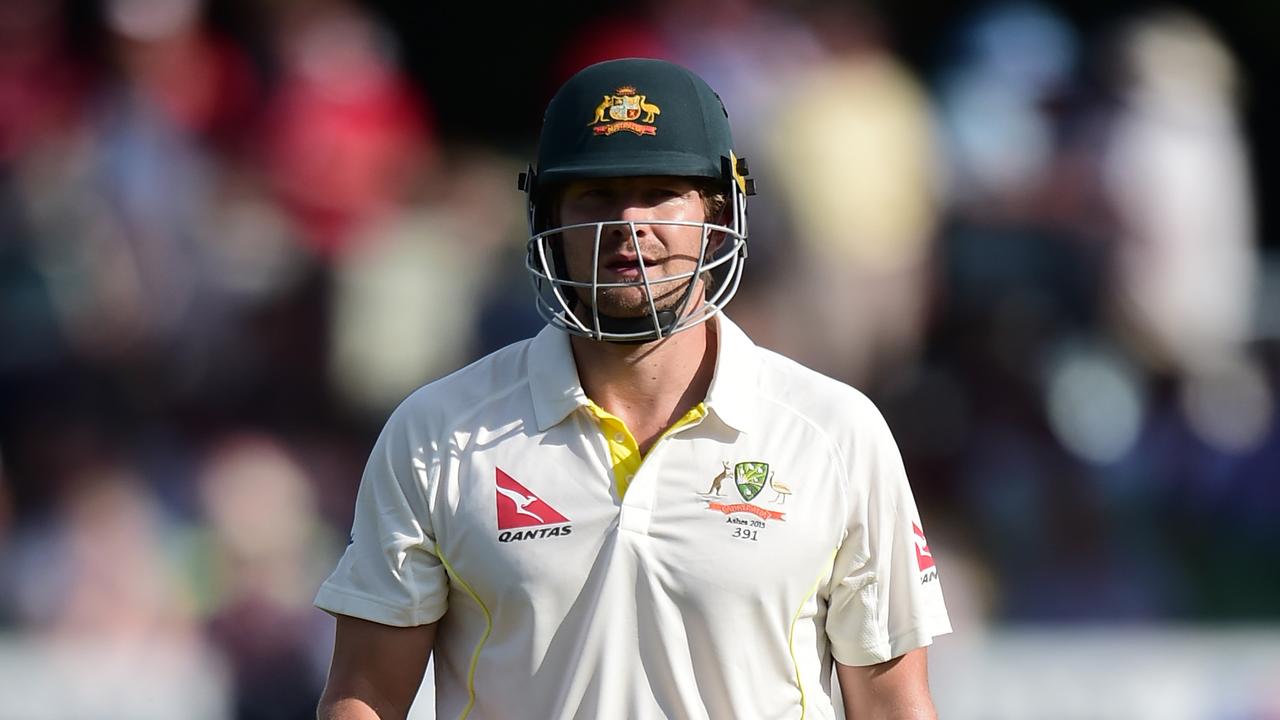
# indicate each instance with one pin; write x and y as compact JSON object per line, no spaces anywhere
{"x":224,"y":257}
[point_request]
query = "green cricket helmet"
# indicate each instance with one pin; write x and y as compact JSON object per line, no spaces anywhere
{"x":629,"y":118}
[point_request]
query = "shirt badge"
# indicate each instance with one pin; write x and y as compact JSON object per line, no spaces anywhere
{"x":752,"y":479}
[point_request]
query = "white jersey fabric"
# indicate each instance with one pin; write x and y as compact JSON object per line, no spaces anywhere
{"x":768,"y":532}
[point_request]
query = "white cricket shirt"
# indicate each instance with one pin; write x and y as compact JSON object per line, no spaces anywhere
{"x":769,"y":530}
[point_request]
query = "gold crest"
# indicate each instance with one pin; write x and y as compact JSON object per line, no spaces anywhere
{"x":626,"y":110}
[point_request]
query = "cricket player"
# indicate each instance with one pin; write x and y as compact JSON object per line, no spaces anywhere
{"x":637,"y":513}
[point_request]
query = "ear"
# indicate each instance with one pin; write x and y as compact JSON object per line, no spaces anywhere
{"x":715,"y":239}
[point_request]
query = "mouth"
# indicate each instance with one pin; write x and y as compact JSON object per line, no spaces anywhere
{"x":627,"y":268}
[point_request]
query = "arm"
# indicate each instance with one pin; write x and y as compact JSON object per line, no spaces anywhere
{"x":376,"y":670}
{"x":885,"y":600}
{"x":894,"y":690}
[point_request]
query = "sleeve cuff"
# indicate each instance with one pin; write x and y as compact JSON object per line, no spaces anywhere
{"x":340,"y":601}
{"x":904,"y":642}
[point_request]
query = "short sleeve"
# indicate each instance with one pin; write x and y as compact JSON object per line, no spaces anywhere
{"x":885,"y":598}
{"x":390,"y":572}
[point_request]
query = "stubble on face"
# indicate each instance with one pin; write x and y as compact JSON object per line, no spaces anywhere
{"x":633,"y":301}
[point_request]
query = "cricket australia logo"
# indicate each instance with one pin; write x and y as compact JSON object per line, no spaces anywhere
{"x":625,"y":110}
{"x":751,"y":479}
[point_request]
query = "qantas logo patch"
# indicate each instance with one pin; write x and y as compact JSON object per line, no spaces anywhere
{"x":519,"y":510}
{"x":924,"y":558}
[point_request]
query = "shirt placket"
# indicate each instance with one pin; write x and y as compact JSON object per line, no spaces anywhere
{"x":633,"y":472}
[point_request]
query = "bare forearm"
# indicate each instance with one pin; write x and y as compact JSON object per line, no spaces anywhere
{"x":376,"y":670}
{"x":349,"y":708}
{"x":894,"y":690}
{"x":924,"y":711}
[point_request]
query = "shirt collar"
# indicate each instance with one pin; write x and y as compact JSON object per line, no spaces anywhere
{"x":557,"y":391}
{"x":734,"y":385}
{"x":553,"y":378}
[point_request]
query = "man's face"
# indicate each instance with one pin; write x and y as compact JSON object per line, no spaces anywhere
{"x":666,"y":250}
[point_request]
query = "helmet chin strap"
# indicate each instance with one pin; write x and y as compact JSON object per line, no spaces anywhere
{"x":631,"y":325}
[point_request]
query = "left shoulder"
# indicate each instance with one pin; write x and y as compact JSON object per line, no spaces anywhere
{"x":835,"y":406}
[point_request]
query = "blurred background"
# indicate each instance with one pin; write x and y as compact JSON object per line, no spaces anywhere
{"x":1041,"y":236}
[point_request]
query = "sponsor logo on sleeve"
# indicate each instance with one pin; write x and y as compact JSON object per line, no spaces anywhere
{"x":924,"y":558}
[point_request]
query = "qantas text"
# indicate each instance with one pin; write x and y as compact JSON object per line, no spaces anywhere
{"x":534,"y":534}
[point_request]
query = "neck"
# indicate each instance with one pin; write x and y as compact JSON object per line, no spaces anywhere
{"x":651,"y":385}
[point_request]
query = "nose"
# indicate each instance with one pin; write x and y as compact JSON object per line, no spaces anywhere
{"x":637,"y":215}
{"x":636,"y":212}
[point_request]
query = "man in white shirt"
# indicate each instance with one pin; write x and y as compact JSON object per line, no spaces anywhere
{"x":637,"y":513}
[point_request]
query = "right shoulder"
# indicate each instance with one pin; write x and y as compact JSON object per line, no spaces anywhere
{"x":454,"y":399}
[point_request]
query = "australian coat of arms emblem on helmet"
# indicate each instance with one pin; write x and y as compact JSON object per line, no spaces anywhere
{"x":627,"y":110}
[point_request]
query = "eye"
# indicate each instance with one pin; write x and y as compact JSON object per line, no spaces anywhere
{"x":594,"y":195}
{"x":664,"y":194}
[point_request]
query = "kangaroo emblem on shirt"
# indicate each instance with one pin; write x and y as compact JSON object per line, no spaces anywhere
{"x":715,"y":484}
{"x":521,"y":502}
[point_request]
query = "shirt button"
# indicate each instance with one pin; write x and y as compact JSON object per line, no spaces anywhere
{"x":630,"y":478}
{"x":619,"y":437}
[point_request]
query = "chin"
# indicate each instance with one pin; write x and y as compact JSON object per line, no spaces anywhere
{"x":632,"y":303}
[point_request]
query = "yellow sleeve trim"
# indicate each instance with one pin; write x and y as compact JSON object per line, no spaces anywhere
{"x":488,"y":628}
{"x":624,"y":451}
{"x":791,"y":634}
